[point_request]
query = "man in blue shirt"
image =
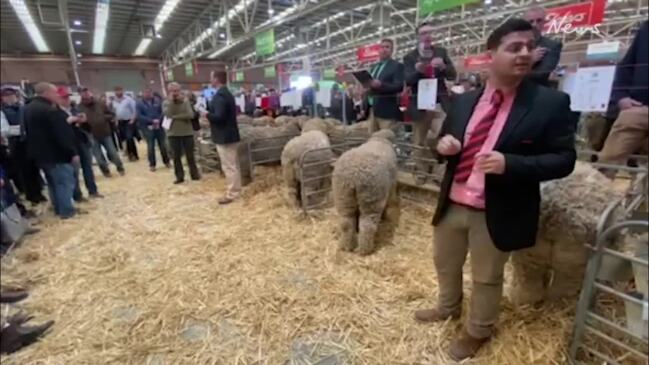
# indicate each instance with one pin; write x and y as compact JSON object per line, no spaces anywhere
{"x":149,"y":118}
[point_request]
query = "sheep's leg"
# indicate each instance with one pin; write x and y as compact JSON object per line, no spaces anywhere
{"x":347,"y":207}
{"x":291,"y":185}
{"x":348,"y":225}
{"x":367,"y":227}
{"x":391,"y":215}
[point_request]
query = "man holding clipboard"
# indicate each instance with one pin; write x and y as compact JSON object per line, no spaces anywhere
{"x":384,"y":82}
{"x":427,"y":62}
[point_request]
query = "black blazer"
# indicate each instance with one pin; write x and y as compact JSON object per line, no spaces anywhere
{"x":222,"y":115}
{"x":413,"y":76}
{"x":50,"y":139}
{"x":541,"y":70}
{"x":538,"y":142}
{"x":386,"y":97}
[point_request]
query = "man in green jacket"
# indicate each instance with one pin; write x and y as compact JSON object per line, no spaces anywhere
{"x":180,"y":132}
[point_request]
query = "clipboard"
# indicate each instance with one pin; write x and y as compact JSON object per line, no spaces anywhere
{"x":363,"y":77}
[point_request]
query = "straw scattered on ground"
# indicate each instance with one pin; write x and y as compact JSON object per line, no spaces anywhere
{"x":161,"y":274}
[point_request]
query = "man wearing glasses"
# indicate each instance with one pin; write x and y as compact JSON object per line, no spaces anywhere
{"x":548,"y":51}
{"x":427,"y":61}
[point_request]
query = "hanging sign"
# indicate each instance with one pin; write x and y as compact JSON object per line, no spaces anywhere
{"x":189,"y":69}
{"x":477,"y":61}
{"x":269,"y":72}
{"x":329,"y":74}
{"x":430,"y":6}
{"x":170,"y":75}
{"x":239,"y":76}
{"x":265,"y":43}
{"x":576,"y":18}
{"x":368,"y":53}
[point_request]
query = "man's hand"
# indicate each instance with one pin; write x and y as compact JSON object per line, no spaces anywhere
{"x":628,"y":103}
{"x":538,"y":54}
{"x":75,"y":160}
{"x":438,"y":63}
{"x":421,"y":67}
{"x":449,"y":146}
{"x":375,"y":84}
{"x":490,"y":163}
{"x":204,"y":114}
{"x":73,"y":119}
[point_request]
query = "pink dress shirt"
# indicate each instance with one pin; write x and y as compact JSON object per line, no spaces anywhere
{"x":471,"y":192}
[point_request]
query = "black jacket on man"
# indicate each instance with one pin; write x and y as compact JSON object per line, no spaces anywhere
{"x":543,"y":68}
{"x":50,"y":139}
{"x":386,"y":97}
{"x":223,"y":117}
{"x":632,"y":73}
{"x":413,"y":76}
{"x":538,"y":143}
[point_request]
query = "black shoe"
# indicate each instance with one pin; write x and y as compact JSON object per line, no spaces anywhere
{"x":96,"y":196}
{"x":179,"y":182}
{"x":152,"y":168}
{"x":168,"y":165}
{"x":196,"y":178}
{"x":16,"y":336}
{"x":81,"y":200}
{"x":13,"y":295}
{"x":122,"y":172}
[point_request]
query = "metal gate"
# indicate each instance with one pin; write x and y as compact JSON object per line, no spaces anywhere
{"x":266,"y":150}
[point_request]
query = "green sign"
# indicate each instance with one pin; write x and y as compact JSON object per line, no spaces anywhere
{"x":270,"y":72}
{"x":265,"y":43}
{"x":430,"y":6}
{"x":238,"y":76}
{"x":170,"y":75}
{"x":189,"y":69}
{"x":329,"y":74}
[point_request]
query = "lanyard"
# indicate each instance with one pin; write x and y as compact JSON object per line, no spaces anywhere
{"x":376,"y":72}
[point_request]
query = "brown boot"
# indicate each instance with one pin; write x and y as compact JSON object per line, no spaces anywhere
{"x":435,"y":315}
{"x":465,"y":346}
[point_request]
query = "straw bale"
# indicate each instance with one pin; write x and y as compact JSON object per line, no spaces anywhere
{"x":570,"y":209}
{"x":261,"y":278}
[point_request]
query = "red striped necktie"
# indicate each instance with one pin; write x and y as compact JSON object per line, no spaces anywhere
{"x":478,"y":137}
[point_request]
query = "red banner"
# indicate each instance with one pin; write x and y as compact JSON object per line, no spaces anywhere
{"x":580,"y":15}
{"x":477,"y":61}
{"x":368,"y":53}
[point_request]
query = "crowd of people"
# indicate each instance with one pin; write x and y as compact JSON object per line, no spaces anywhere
{"x":500,"y":141}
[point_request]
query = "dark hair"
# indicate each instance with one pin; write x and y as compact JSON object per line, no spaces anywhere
{"x":510,"y":26}
{"x":388,"y":40}
{"x":423,"y":24}
{"x":221,"y":76}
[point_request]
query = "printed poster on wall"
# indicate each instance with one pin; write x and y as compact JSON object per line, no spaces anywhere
{"x":265,"y":43}
{"x":430,"y":6}
{"x":592,"y":88}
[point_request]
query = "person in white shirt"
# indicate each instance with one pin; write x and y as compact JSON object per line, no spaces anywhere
{"x":126,"y":114}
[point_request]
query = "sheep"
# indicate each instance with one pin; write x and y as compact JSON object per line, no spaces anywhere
{"x":365,"y":192}
{"x":244,"y":119}
{"x":313,"y":137}
{"x":263,"y":121}
{"x":570,"y":210}
{"x":343,"y":133}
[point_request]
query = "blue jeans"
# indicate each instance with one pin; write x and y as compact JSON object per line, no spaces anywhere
{"x":153,"y":135}
{"x":85,"y":164}
{"x":60,"y":183}
{"x":111,"y":151}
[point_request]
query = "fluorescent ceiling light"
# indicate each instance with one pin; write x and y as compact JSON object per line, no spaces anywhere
{"x":220,"y":23}
{"x":77,"y":42}
{"x":141,"y":48}
{"x":77,"y":22}
{"x":159,"y":21}
{"x":28,"y":22}
{"x":101,"y":20}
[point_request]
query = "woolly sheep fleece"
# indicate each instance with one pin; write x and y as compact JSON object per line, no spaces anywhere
{"x":313,"y":137}
{"x":570,"y":209}
{"x":365,"y":193}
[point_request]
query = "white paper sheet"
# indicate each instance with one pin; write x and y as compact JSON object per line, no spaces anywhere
{"x":592,"y":89}
{"x":166,"y":123}
{"x":323,"y":97}
{"x":241,"y":102}
{"x":427,"y":94}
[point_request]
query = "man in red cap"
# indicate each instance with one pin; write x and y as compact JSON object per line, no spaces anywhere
{"x":50,"y":141}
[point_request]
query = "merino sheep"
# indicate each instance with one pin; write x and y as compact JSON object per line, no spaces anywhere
{"x":365,"y":192}
{"x":244,"y":119}
{"x":313,"y":137}
{"x":356,"y":131}
{"x":263,"y":121}
{"x":570,"y":210}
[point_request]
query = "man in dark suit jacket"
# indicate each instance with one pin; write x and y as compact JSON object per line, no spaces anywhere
{"x":222,"y":115}
{"x":500,"y":142}
{"x":384,"y":89}
{"x":427,"y":61}
{"x":548,"y":51}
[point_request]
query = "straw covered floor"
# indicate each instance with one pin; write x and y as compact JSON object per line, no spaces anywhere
{"x":161,"y":274}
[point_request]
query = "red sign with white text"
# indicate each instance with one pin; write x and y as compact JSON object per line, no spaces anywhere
{"x":477,"y":61}
{"x":368,"y":53}
{"x":580,"y":15}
